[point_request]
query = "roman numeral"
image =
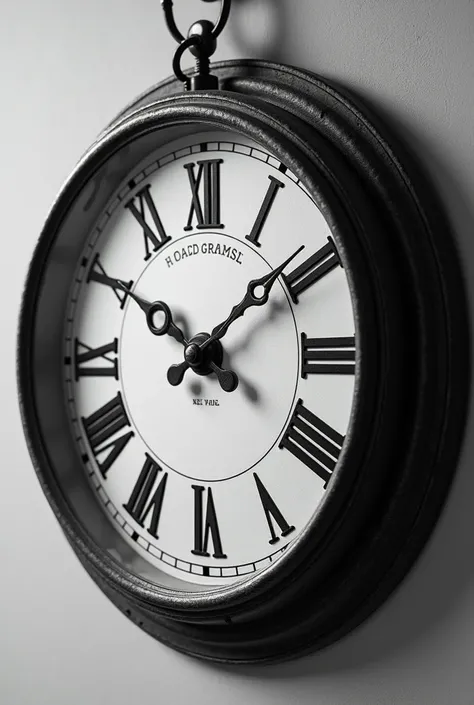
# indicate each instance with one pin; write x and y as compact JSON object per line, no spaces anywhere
{"x":327,"y":356}
{"x":142,"y":501}
{"x":140,"y":206}
{"x":84,"y":353}
{"x":209,"y":174}
{"x":99,"y":428}
{"x":264,"y":210}
{"x":97,"y":274}
{"x":272,"y":513}
{"x":313,"y":269}
{"x":313,"y":442}
{"x":203,"y":529}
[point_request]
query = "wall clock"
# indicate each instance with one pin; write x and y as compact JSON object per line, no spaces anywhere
{"x":242,"y":359}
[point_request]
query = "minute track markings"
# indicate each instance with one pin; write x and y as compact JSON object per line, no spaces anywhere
{"x":179,"y":563}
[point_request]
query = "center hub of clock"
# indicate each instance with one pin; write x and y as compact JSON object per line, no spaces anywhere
{"x":192,"y":354}
{"x":199,"y":360}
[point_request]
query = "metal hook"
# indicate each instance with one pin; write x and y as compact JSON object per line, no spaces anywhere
{"x":167,"y":6}
{"x":191,"y":41}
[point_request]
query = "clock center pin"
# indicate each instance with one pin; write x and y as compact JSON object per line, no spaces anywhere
{"x":200,"y":360}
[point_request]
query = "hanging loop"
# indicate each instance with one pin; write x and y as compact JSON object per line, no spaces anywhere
{"x":201,"y":46}
{"x":167,"y":6}
{"x":191,"y":41}
{"x":201,"y":41}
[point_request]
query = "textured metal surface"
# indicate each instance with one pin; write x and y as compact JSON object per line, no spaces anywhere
{"x":409,"y":413}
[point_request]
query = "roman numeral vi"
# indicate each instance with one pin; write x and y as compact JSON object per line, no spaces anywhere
{"x":205,"y":528}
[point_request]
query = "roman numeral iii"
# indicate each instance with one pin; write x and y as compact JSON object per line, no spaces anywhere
{"x":312,"y":270}
{"x":84,"y":354}
{"x":205,"y":194}
{"x":327,"y":356}
{"x":142,"y":207}
{"x":142,"y":502}
{"x":272,"y":513}
{"x":99,"y":428}
{"x":97,"y":274}
{"x":272,"y":190}
{"x":205,"y":527}
{"x":313,"y":442}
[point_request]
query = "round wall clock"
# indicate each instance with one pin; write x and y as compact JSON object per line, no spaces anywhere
{"x":242,"y":359}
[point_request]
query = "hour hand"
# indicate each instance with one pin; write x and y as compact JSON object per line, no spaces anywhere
{"x":158,"y":315}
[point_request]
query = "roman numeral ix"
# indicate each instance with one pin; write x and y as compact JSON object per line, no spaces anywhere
{"x":142,"y":501}
{"x":84,"y":354}
{"x":312,"y":270}
{"x":99,"y":428}
{"x":264,"y":210}
{"x":272,"y":513}
{"x":313,"y":442}
{"x":97,"y":274}
{"x":142,"y":206}
{"x":205,"y":528}
{"x":327,"y":356}
{"x":206,"y":185}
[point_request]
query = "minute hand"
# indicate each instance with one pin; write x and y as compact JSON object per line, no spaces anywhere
{"x":251,"y":298}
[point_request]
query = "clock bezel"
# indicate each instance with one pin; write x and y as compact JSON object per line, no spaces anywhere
{"x":257,"y":597}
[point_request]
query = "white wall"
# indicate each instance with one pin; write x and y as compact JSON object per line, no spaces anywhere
{"x":67,"y":66}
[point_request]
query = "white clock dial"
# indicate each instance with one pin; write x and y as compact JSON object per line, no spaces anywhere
{"x":210,"y":485}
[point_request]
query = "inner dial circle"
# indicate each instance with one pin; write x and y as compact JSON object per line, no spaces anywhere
{"x":201,"y":277}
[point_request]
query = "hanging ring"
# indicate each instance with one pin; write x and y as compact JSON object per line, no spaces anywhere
{"x":167,"y":6}
{"x":191,"y":41}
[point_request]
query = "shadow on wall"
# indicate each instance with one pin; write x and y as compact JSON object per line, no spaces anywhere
{"x":430,"y":593}
{"x":258,"y":28}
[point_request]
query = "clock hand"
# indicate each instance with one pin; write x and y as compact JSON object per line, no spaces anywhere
{"x":150,"y":309}
{"x":227,"y":379}
{"x":253,"y":297}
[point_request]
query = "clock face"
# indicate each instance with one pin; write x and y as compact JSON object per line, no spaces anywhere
{"x":207,"y":475}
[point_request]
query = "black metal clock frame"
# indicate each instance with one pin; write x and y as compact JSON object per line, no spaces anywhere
{"x":412,"y":365}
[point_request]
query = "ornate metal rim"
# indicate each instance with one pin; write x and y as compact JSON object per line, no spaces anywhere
{"x":318,"y":110}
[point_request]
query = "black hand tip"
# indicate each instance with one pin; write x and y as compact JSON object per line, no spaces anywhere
{"x":175,"y":374}
{"x":228,"y":381}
